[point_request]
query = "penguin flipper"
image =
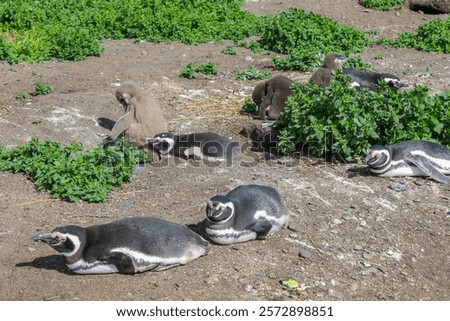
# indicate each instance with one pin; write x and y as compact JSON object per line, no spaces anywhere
{"x":122,"y":124}
{"x":163,"y":267}
{"x":262,"y":229}
{"x":123,"y":262}
{"x":424,"y":164}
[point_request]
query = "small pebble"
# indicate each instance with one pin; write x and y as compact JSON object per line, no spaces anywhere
{"x":358,"y":247}
{"x":398,"y":187}
{"x":124,"y":206}
{"x":363,"y":223}
{"x":248,"y":288}
{"x":304,"y":253}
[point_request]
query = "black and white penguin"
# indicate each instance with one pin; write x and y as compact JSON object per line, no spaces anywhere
{"x":369,"y":80}
{"x":128,"y":246}
{"x":410,"y":158}
{"x":246,"y":213}
{"x":324,"y":75}
{"x":270,"y":96}
{"x":200,"y":145}
{"x":360,"y":79}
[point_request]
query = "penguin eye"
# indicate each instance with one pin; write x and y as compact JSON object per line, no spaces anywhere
{"x":59,"y":236}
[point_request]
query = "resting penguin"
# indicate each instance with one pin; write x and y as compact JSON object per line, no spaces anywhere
{"x":270,"y":96}
{"x":410,"y":158}
{"x":246,"y":213}
{"x":324,"y":75}
{"x":197,"y":145}
{"x":128,"y":246}
{"x":366,"y":79}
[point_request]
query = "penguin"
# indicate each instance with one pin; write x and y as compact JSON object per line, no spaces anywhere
{"x":127,"y":246}
{"x":369,"y":80}
{"x":199,"y":145}
{"x":360,"y":79}
{"x":410,"y":158}
{"x":270,"y":96}
{"x":248,"y":212}
{"x":324,"y":75}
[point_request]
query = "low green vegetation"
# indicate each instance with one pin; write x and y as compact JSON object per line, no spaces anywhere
{"x":382,"y":5}
{"x":229,"y":50}
{"x":72,"y":29}
{"x":249,"y":106}
{"x":71,"y":173}
{"x":433,"y":36}
{"x":191,"y":72}
{"x":251,"y":73}
{"x":306,"y":38}
{"x":342,"y":122}
{"x":41,"y":89}
{"x":21,"y":95}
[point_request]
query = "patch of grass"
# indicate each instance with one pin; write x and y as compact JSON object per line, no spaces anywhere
{"x":21,"y":95}
{"x":248,"y":106}
{"x":306,"y":38}
{"x":433,"y":36}
{"x":190,"y":72}
{"x":72,"y":30}
{"x":342,"y":122}
{"x":41,"y":89}
{"x":71,"y":173}
{"x":251,"y":73}
{"x":229,"y":50}
{"x":382,"y":5}
{"x":357,"y":63}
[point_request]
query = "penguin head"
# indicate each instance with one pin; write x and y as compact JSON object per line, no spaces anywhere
{"x":377,"y":156}
{"x":334,"y":61}
{"x":67,"y":240}
{"x":163,"y":143}
{"x":219,"y":209}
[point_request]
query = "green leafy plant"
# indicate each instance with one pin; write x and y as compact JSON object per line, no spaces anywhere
{"x":41,"y":89}
{"x":252,"y":73}
{"x":190,"y":71}
{"x":37,"y":121}
{"x":229,"y":50}
{"x":432,"y":36}
{"x":71,"y":173}
{"x":209,"y":68}
{"x":72,"y":30}
{"x":382,"y":5}
{"x":306,"y":38}
{"x":357,"y":63}
{"x":342,"y":122}
{"x":21,"y":95}
{"x":248,"y":106}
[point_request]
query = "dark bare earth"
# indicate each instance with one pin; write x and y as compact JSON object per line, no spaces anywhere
{"x":351,"y":237}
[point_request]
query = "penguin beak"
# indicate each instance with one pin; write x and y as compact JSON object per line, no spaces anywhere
{"x":46,"y":238}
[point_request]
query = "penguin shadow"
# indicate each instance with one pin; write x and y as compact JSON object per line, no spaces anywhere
{"x":358,"y":171}
{"x":51,"y":262}
{"x":199,"y":228}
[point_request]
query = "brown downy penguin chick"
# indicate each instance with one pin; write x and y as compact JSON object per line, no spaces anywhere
{"x":144,"y":117}
{"x":324,"y":75}
{"x":271,"y":96}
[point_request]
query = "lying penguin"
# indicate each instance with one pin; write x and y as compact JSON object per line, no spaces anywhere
{"x":246,"y":213}
{"x":209,"y":145}
{"x":369,"y":80}
{"x":360,"y":79}
{"x":128,"y":246}
{"x":410,"y":158}
{"x":270,"y":96}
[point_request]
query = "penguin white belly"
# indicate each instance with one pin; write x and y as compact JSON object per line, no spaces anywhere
{"x":97,"y":267}
{"x":400,"y":168}
{"x":230,"y":235}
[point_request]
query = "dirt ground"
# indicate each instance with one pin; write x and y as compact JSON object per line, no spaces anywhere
{"x":351,"y":237}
